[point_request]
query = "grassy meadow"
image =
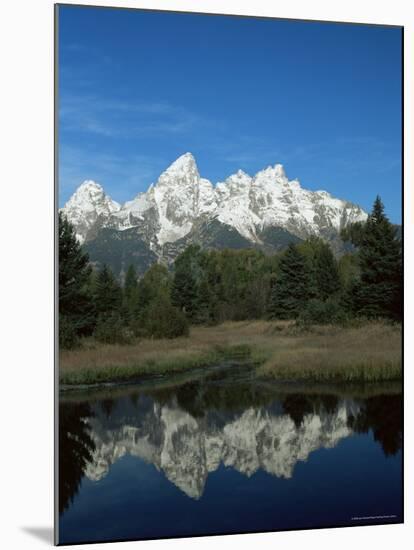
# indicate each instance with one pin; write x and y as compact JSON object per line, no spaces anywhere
{"x":282,"y":350}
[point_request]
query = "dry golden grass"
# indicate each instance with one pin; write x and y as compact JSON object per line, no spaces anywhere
{"x":371,"y":352}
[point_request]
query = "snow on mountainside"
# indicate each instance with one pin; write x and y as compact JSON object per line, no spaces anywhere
{"x":187,"y":449}
{"x":87,"y":206}
{"x":181,"y":201}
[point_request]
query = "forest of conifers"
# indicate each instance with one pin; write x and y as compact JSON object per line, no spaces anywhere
{"x":306,"y":282}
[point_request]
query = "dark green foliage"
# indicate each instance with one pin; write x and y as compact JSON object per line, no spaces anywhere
{"x":380,"y":259}
{"x":240,"y":281}
{"x":76,"y":310}
{"x":68,"y":339}
{"x":130,"y":301}
{"x":152,"y":313}
{"x":207,"y":286}
{"x":353,"y":233}
{"x":294,"y":286}
{"x":348,"y":269}
{"x":131,"y":282}
{"x":322,"y":312}
{"x":156,"y":281}
{"x":191,"y":292}
{"x":326,"y":272}
{"x":161,"y":319}
{"x":111,"y":329}
{"x":107,"y":292}
{"x":212,"y":286}
{"x":204,"y":314}
{"x":324,"y":267}
{"x":184,"y":291}
{"x":349,"y":298}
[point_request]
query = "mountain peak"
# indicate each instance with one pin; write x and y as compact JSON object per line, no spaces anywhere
{"x":86,"y":205}
{"x":276,"y":171}
{"x":242,"y":174}
{"x":89,"y":194}
{"x":180,"y":200}
{"x":279,"y":170}
{"x":90,"y":184}
{"x":183,"y":163}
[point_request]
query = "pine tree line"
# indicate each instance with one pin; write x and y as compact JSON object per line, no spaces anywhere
{"x":305,"y":282}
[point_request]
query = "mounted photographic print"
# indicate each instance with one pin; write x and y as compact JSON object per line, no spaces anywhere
{"x":229,"y":266}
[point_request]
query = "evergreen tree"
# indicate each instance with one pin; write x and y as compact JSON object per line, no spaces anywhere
{"x":157,"y":280}
{"x":131,"y":282}
{"x":380,"y":260}
{"x":349,"y":274}
{"x":324,"y":266}
{"x":108,"y":293}
{"x":348,"y":269}
{"x":188,"y":273}
{"x":326,"y":272}
{"x":76,"y":311}
{"x":162,"y":320}
{"x":353,"y":233}
{"x":203,"y":311}
{"x":184,"y":292}
{"x":294,"y":285}
{"x":130,"y":302}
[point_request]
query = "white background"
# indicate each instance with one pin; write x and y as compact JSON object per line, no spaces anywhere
{"x":26,"y":285}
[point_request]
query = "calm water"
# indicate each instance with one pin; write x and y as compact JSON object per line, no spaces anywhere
{"x":226,"y":455}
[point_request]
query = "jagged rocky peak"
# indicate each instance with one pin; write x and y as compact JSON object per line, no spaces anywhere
{"x":187,"y":449}
{"x":272,"y":174}
{"x":279,"y":171}
{"x":184,"y":168}
{"x":90,"y":196}
{"x":181,"y":200}
{"x":238,"y":180}
{"x":181,"y":197}
{"x":237,"y":184}
{"x":87,"y":205}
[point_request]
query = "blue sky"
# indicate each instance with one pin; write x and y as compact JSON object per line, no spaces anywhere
{"x":137,"y":89}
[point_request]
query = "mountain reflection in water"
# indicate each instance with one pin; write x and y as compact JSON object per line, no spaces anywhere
{"x":187,"y":432}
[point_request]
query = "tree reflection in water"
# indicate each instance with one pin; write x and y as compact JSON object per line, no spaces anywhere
{"x":75,"y":449}
{"x":383,"y":415}
{"x":201,"y":417}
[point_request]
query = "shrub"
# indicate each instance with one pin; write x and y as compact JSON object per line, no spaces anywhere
{"x":68,"y":338}
{"x":111,"y":330}
{"x":322,"y":312}
{"x":161,"y":319}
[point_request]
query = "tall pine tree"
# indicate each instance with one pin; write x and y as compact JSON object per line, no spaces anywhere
{"x":324,"y":265}
{"x":76,"y":311}
{"x":131,"y":282}
{"x":130,"y":302}
{"x":188,"y":274}
{"x":326,"y":272}
{"x":108,"y":293}
{"x":380,"y":261}
{"x":293,"y":287}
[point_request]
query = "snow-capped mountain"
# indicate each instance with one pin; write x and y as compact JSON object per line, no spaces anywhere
{"x":187,"y":449}
{"x":88,"y":206}
{"x":182,"y":207}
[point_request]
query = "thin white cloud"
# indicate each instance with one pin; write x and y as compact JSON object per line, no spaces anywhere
{"x":129,"y":118}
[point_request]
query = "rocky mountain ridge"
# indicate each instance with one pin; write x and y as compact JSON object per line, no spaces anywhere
{"x":187,"y":449}
{"x":183,"y":207}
